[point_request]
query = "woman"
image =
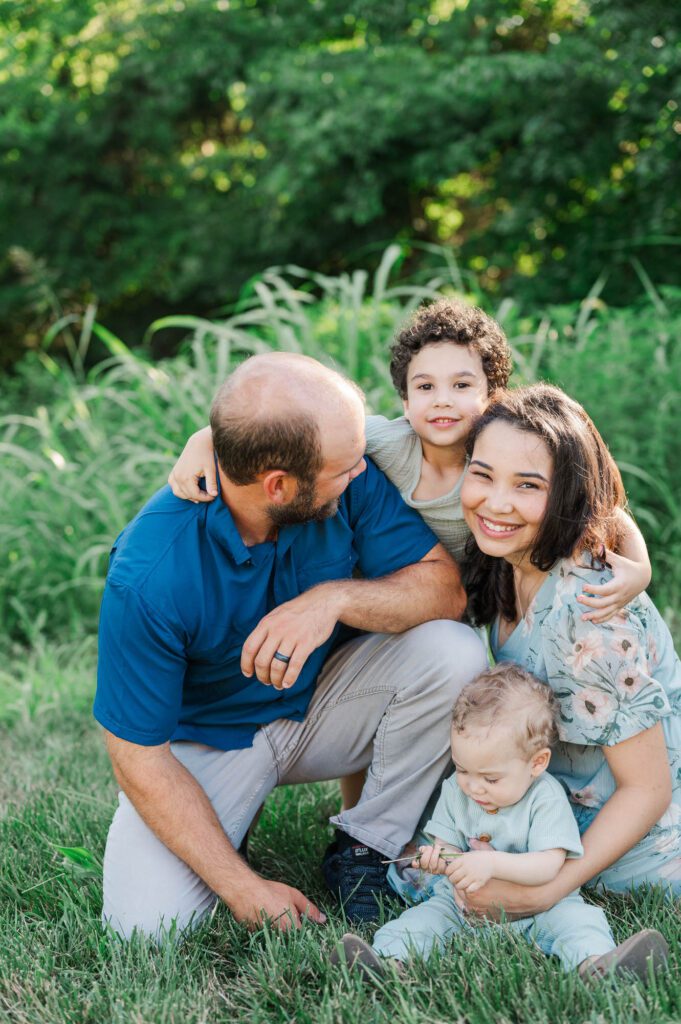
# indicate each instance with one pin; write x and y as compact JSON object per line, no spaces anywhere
{"x":540,"y":498}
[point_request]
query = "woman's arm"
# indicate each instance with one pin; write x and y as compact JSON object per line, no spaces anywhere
{"x":196,"y":461}
{"x":631,"y":573}
{"x":640,"y":767}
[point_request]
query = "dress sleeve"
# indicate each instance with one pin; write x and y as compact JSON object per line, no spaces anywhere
{"x":600,"y":674}
{"x":443,"y":822}
{"x":141,"y":668}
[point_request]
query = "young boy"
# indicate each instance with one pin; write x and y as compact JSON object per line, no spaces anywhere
{"x":503,"y":726}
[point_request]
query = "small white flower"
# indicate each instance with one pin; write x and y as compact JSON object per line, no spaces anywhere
{"x":629,"y":680}
{"x":587,"y":797}
{"x":585,"y":649}
{"x":627,"y":647}
{"x":594,"y":706}
{"x":566,"y":587}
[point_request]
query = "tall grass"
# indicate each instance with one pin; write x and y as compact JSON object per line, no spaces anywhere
{"x":81,"y":450}
{"x":57,"y":796}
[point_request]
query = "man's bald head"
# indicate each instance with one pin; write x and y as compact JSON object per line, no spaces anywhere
{"x":276,"y":411}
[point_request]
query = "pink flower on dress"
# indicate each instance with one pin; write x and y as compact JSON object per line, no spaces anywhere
{"x":629,"y":680}
{"x":652,"y":653}
{"x":594,"y":706}
{"x":585,"y":649}
{"x":627,"y":647}
{"x":587,"y":797}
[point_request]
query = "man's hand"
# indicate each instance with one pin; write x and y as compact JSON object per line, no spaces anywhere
{"x":294,"y":629}
{"x":471,"y":871}
{"x":280,"y":904}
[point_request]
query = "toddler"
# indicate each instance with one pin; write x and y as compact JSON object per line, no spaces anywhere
{"x":503,"y":726}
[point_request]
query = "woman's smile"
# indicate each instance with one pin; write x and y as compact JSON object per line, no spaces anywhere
{"x":496,"y":528}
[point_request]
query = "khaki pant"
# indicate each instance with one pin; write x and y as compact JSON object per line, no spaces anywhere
{"x":383,"y":702}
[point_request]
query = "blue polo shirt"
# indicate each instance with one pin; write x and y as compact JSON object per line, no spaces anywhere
{"x":184,"y":592}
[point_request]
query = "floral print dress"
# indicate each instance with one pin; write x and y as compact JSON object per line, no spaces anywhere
{"x":612,"y":680}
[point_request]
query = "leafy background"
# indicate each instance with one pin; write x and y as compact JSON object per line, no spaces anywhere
{"x":154,"y":155}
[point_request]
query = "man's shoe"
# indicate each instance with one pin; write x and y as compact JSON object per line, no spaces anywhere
{"x":355,"y":872}
{"x":358,"y":955}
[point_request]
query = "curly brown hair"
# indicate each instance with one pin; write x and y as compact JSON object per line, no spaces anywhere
{"x":455,"y":322}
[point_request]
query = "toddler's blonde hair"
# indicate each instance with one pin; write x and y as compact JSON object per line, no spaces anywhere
{"x":508,"y":695}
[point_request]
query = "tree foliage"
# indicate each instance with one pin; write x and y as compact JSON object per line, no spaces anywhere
{"x":156,"y":153}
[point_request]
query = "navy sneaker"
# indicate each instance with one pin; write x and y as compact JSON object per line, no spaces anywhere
{"x":330,"y":866}
{"x":355,"y":873}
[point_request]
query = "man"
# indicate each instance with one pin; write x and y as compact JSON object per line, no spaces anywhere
{"x":222,"y":669}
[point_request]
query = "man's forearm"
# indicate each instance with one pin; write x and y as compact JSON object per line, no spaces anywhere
{"x":418,"y":593}
{"x":177,"y":810}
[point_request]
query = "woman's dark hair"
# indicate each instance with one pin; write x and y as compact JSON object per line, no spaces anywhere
{"x":586,"y":491}
{"x":450,"y":320}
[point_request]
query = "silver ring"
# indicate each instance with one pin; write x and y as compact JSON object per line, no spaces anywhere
{"x":278,"y":656}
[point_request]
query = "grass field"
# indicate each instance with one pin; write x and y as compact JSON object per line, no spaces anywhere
{"x":80,"y":450}
{"x":57,"y":966}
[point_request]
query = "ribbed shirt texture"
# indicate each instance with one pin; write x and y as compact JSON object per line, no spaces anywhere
{"x":396,"y":449}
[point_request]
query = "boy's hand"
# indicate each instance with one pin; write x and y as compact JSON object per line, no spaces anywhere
{"x":629,"y":579}
{"x":471,"y":871}
{"x":196,"y":461}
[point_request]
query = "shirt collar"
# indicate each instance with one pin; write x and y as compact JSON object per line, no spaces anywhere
{"x":221,"y":526}
{"x":286,"y":537}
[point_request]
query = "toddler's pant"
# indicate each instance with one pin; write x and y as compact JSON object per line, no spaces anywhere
{"x":572,"y":930}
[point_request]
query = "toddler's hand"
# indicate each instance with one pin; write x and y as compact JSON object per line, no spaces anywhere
{"x":429,"y":859}
{"x":471,"y":871}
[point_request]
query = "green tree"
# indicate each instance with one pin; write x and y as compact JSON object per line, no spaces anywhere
{"x":157,"y":154}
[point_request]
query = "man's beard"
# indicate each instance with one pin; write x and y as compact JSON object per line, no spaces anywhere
{"x":303,"y":508}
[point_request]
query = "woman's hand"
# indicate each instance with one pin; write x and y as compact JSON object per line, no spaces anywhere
{"x":629,"y":579}
{"x":497,"y":899}
{"x":196,"y":461}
